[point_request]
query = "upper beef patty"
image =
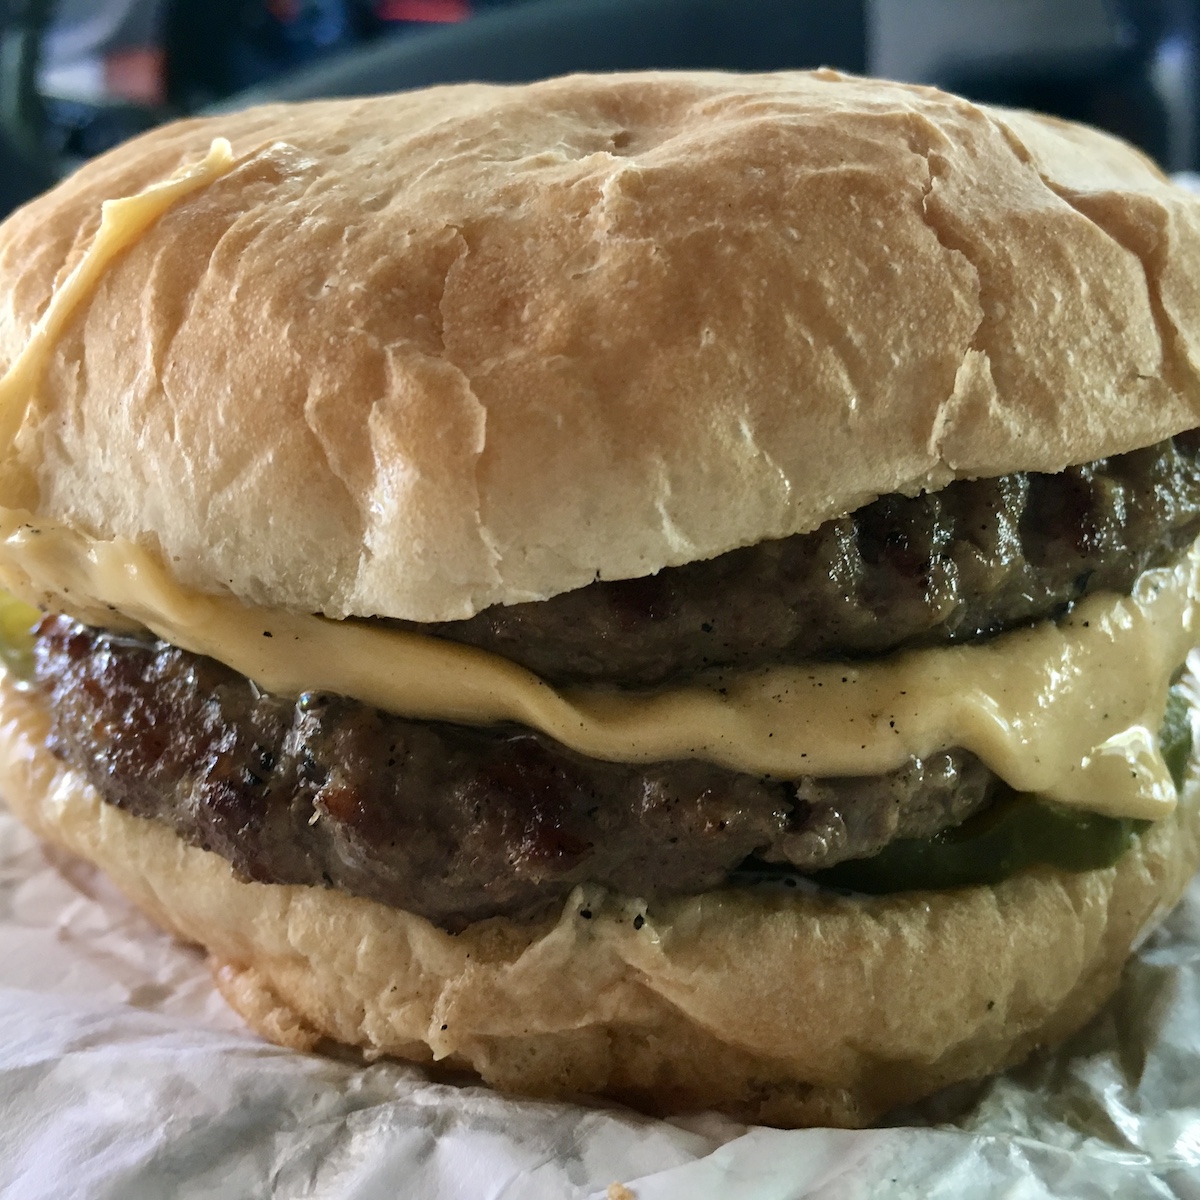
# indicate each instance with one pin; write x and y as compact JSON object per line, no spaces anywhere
{"x":977,"y":557}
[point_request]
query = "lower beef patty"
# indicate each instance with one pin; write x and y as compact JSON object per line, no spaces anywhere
{"x":450,"y":822}
{"x":458,"y":823}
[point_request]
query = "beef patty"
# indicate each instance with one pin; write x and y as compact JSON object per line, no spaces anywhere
{"x":977,"y":557}
{"x":447,"y":821}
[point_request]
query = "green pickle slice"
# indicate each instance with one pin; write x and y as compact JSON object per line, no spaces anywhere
{"x":17,"y":622}
{"x":1175,"y":734}
{"x":1016,"y":832}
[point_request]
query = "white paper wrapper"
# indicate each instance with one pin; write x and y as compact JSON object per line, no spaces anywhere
{"x":123,"y":1075}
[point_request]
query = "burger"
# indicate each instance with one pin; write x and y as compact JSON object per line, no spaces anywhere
{"x":672,"y":587}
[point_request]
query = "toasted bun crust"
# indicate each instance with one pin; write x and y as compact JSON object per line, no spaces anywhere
{"x":420,"y":354}
{"x":786,"y":1008}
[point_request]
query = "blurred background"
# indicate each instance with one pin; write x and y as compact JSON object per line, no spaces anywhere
{"x":78,"y":76}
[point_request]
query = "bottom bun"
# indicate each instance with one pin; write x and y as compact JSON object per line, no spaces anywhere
{"x":774,"y":1005}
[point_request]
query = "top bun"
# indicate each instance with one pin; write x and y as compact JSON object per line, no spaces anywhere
{"x":420,"y":354}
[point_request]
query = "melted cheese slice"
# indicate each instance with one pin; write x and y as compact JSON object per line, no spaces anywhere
{"x":1067,"y":710}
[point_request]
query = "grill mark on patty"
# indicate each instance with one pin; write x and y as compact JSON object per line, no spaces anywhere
{"x":451,"y":822}
{"x":976,"y":558}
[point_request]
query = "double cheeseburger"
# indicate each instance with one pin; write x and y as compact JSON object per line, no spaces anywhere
{"x":675,"y":587}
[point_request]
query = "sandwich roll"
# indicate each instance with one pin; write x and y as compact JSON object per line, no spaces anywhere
{"x":668,"y":586}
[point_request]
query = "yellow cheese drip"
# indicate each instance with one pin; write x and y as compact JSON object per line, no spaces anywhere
{"x":1066,"y":710}
{"x":122,"y":223}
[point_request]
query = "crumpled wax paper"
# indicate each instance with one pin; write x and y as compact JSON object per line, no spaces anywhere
{"x":123,"y":1075}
